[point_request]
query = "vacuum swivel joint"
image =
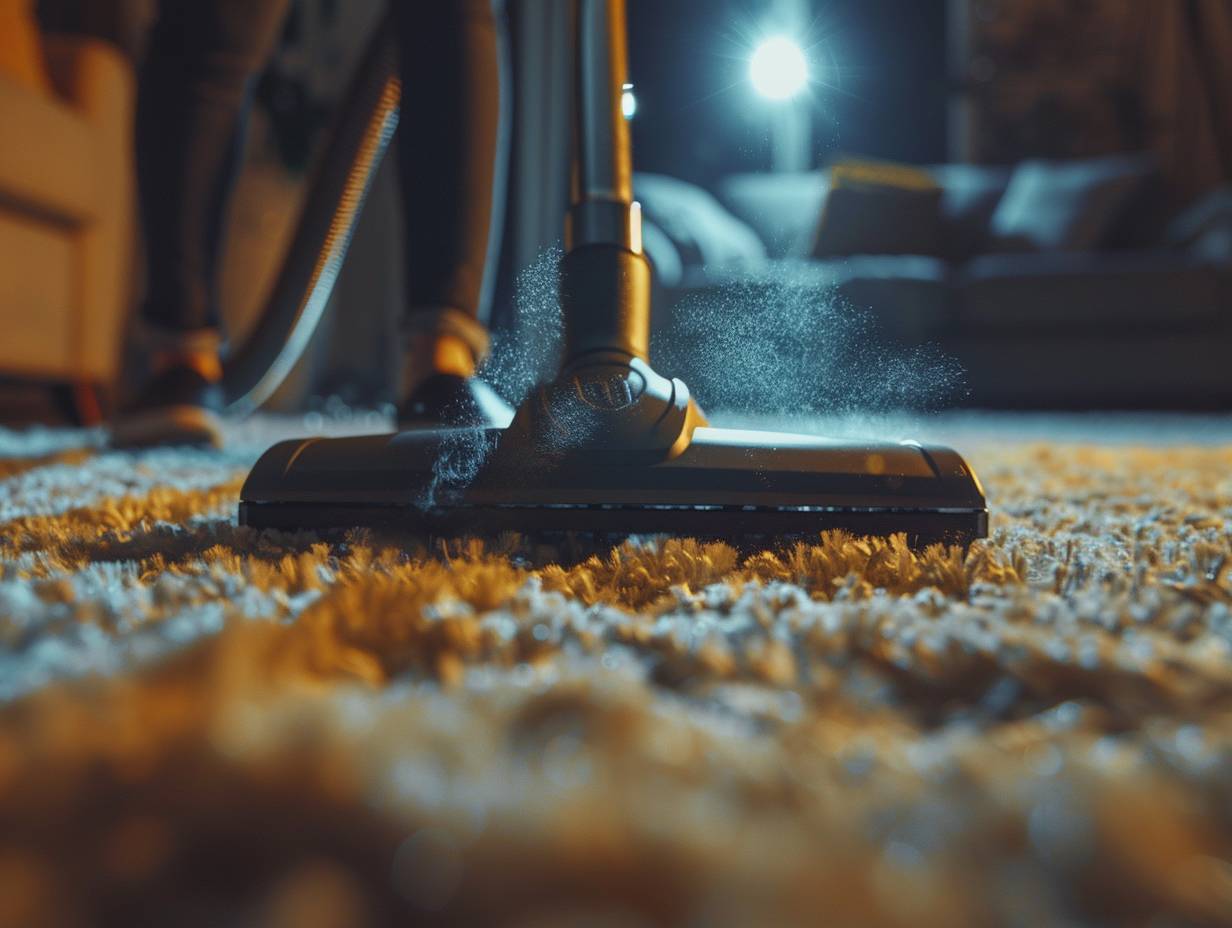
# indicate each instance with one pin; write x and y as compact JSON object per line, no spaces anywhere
{"x":610,"y":405}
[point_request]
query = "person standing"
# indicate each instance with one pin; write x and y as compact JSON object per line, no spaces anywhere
{"x":194,"y":94}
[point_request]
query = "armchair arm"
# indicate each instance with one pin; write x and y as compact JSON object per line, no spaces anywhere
{"x":45,"y":147}
{"x":97,"y":81}
{"x":90,"y":75}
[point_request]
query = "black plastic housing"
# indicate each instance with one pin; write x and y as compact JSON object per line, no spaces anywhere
{"x":727,"y":484}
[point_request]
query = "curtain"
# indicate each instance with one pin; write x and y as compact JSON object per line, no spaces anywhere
{"x":1186,"y":58}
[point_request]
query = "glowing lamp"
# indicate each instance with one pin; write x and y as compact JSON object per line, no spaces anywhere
{"x":778,"y":69}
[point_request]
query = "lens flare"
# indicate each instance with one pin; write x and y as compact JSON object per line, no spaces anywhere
{"x":778,"y":69}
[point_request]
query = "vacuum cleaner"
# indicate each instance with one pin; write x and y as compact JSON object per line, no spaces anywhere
{"x":610,"y":447}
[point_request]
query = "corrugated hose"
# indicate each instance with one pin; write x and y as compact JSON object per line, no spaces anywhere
{"x":361,"y":133}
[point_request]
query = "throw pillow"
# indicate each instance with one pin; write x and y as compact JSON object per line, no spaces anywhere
{"x":879,"y":209}
{"x":1205,"y":228}
{"x":663,"y":256}
{"x":969,"y":197}
{"x":1067,"y":205}
{"x":703,"y":232}
{"x":780,"y":206}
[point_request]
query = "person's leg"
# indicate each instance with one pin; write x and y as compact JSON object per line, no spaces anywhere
{"x":193,"y":93}
{"x":193,"y":96}
{"x":447,"y":151}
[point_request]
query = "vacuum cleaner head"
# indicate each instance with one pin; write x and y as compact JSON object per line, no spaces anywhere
{"x":610,"y":447}
{"x":745,"y":487}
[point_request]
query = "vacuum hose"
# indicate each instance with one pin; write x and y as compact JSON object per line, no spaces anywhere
{"x":605,"y":276}
{"x":366,"y":121}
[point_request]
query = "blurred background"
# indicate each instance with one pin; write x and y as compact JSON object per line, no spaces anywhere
{"x":883,"y":203}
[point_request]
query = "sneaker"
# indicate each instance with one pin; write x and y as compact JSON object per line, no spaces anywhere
{"x":176,"y":407}
{"x":452,"y":401}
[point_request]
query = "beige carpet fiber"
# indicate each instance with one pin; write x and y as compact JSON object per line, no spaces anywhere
{"x":201,"y":725}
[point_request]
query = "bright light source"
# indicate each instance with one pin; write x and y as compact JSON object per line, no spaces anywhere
{"x":778,"y":69}
{"x":628,"y":102}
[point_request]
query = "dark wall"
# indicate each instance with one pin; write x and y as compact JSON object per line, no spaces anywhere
{"x":892,"y":103}
{"x":1077,"y":78}
{"x":882,"y":93}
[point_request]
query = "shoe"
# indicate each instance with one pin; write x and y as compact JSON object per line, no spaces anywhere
{"x":453,"y":401}
{"x":176,"y":407}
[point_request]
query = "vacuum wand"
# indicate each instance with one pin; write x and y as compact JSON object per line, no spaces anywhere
{"x":602,"y":157}
{"x":605,"y":277}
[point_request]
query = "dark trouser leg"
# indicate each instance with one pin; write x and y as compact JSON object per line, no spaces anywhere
{"x":193,"y":94}
{"x":447,"y":149}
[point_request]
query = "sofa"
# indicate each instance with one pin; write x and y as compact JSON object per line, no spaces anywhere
{"x":1048,"y":290}
{"x":66,"y":206}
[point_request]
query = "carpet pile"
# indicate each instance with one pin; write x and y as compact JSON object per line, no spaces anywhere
{"x":203,"y":725}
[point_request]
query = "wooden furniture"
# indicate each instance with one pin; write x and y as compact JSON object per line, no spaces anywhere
{"x":66,"y":205}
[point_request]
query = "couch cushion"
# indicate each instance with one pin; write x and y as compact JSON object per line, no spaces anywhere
{"x":879,"y":209}
{"x":1064,"y":292}
{"x":908,"y":293}
{"x":969,"y":197}
{"x":703,"y":232}
{"x":813,"y":272}
{"x":782,"y":208}
{"x":785,"y":209}
{"x":727,"y":333}
{"x":1067,"y":205}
